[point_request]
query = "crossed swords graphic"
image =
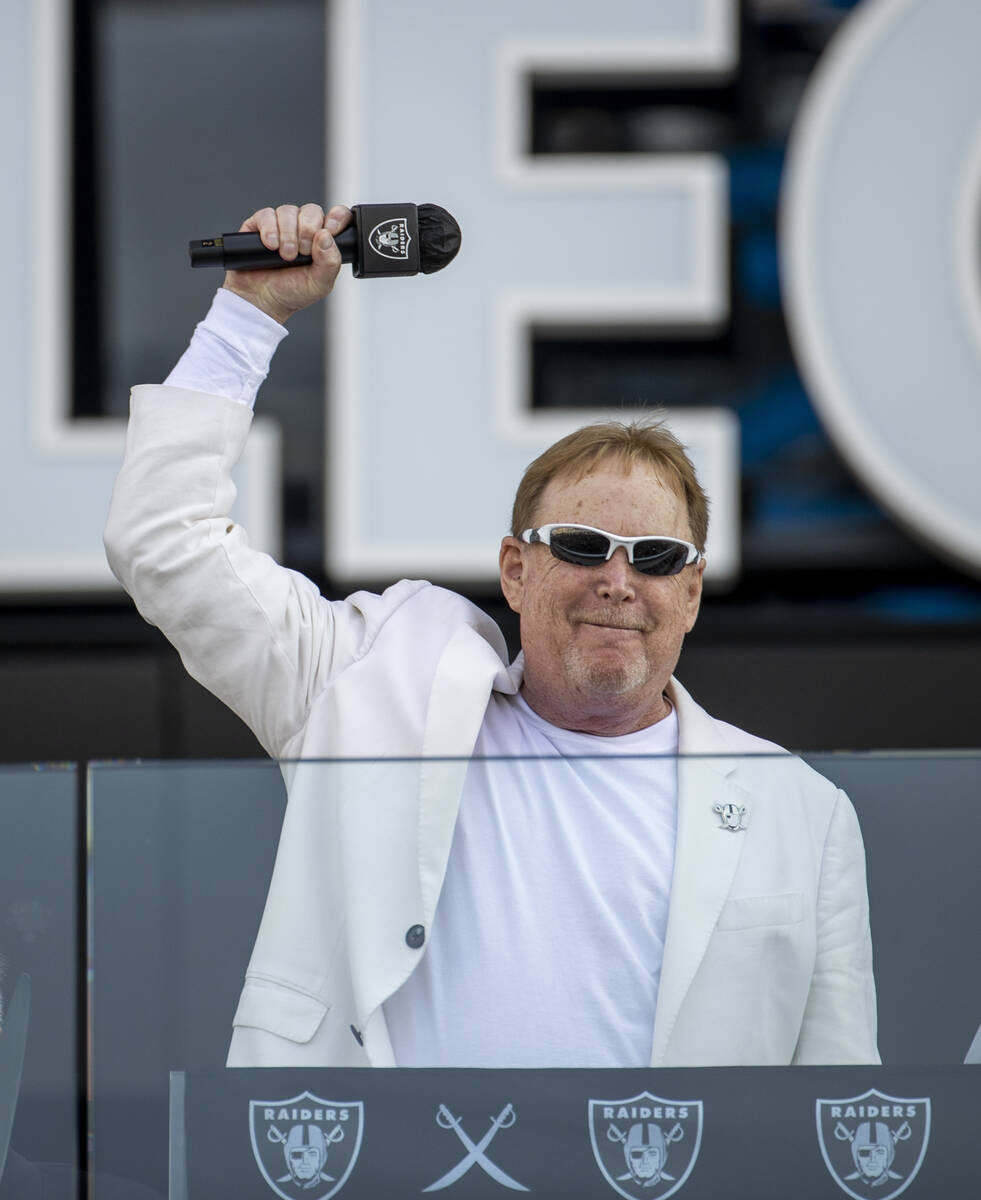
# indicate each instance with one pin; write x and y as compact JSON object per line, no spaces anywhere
{"x":475,"y":1150}
{"x":902,"y":1134}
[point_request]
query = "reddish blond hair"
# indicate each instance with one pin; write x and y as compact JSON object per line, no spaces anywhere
{"x":647,"y":442}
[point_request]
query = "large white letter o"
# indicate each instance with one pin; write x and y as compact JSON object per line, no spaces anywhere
{"x":880,"y":259}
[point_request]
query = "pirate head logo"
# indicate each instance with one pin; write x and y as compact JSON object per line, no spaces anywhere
{"x":391,"y":239}
{"x":305,"y":1147}
{"x":645,"y":1146}
{"x":874,"y":1144}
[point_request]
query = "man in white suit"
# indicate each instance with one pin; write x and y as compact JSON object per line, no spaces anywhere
{"x":526,"y":873}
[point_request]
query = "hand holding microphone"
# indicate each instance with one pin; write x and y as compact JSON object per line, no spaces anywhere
{"x":379,"y":240}
{"x":386,"y":240}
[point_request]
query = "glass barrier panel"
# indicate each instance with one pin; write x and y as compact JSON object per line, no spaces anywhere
{"x":183,"y":856}
{"x":921,"y":822}
{"x":40,"y":993}
{"x":181,"y":859}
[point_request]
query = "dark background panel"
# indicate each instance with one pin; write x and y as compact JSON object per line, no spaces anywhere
{"x":69,"y":703}
{"x":88,"y":683}
{"x":739,"y":1150}
{"x":841,"y":694}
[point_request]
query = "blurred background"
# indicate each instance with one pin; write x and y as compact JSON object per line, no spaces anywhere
{"x":557,"y":134}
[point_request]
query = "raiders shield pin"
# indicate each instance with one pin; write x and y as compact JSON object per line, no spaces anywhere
{"x":873,"y":1144}
{"x":306,"y":1147}
{"x":645,"y":1146}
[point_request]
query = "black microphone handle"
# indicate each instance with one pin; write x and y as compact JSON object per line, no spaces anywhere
{"x":245,"y":252}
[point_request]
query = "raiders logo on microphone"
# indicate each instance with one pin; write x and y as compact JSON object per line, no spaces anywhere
{"x":305,"y":1147}
{"x":391,"y":239}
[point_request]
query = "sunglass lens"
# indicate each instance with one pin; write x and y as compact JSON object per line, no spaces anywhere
{"x":579,"y":546}
{"x":659,"y":558}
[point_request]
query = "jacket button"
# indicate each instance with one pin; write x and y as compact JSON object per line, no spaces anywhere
{"x":415,"y":937}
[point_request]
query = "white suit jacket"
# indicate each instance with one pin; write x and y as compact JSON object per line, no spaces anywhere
{"x":767,"y":957}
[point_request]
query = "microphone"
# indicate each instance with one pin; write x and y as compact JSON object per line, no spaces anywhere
{"x":385,"y":240}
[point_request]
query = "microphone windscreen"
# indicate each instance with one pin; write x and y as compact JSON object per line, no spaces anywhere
{"x":439,"y":238}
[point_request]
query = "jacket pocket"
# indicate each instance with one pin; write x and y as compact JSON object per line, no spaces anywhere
{"x":750,"y":912}
{"x":280,"y":1009}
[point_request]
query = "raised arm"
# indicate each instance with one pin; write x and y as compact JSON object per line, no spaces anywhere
{"x":259,"y":636}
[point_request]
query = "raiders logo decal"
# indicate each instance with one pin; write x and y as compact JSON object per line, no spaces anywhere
{"x":873,"y":1144}
{"x":305,"y":1147}
{"x":645,"y":1146}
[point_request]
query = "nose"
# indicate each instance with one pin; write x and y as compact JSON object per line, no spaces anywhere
{"x":616,"y":578}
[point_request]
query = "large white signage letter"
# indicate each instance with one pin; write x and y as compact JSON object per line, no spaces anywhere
{"x":430,"y":417}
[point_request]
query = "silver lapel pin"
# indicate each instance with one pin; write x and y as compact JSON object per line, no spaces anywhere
{"x":732,"y":816}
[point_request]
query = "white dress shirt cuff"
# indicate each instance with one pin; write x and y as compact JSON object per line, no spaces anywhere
{"x":230,"y":351}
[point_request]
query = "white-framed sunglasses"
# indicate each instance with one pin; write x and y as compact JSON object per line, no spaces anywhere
{"x":587,"y":547}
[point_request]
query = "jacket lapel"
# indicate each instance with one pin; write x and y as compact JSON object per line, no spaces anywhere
{"x":468,"y":671}
{"x":706,"y":858}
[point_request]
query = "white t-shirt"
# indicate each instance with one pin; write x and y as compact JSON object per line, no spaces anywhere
{"x":548,"y":939}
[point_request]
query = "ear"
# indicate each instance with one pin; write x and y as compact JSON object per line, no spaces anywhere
{"x":512,"y":565}
{"x":693,"y":599}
